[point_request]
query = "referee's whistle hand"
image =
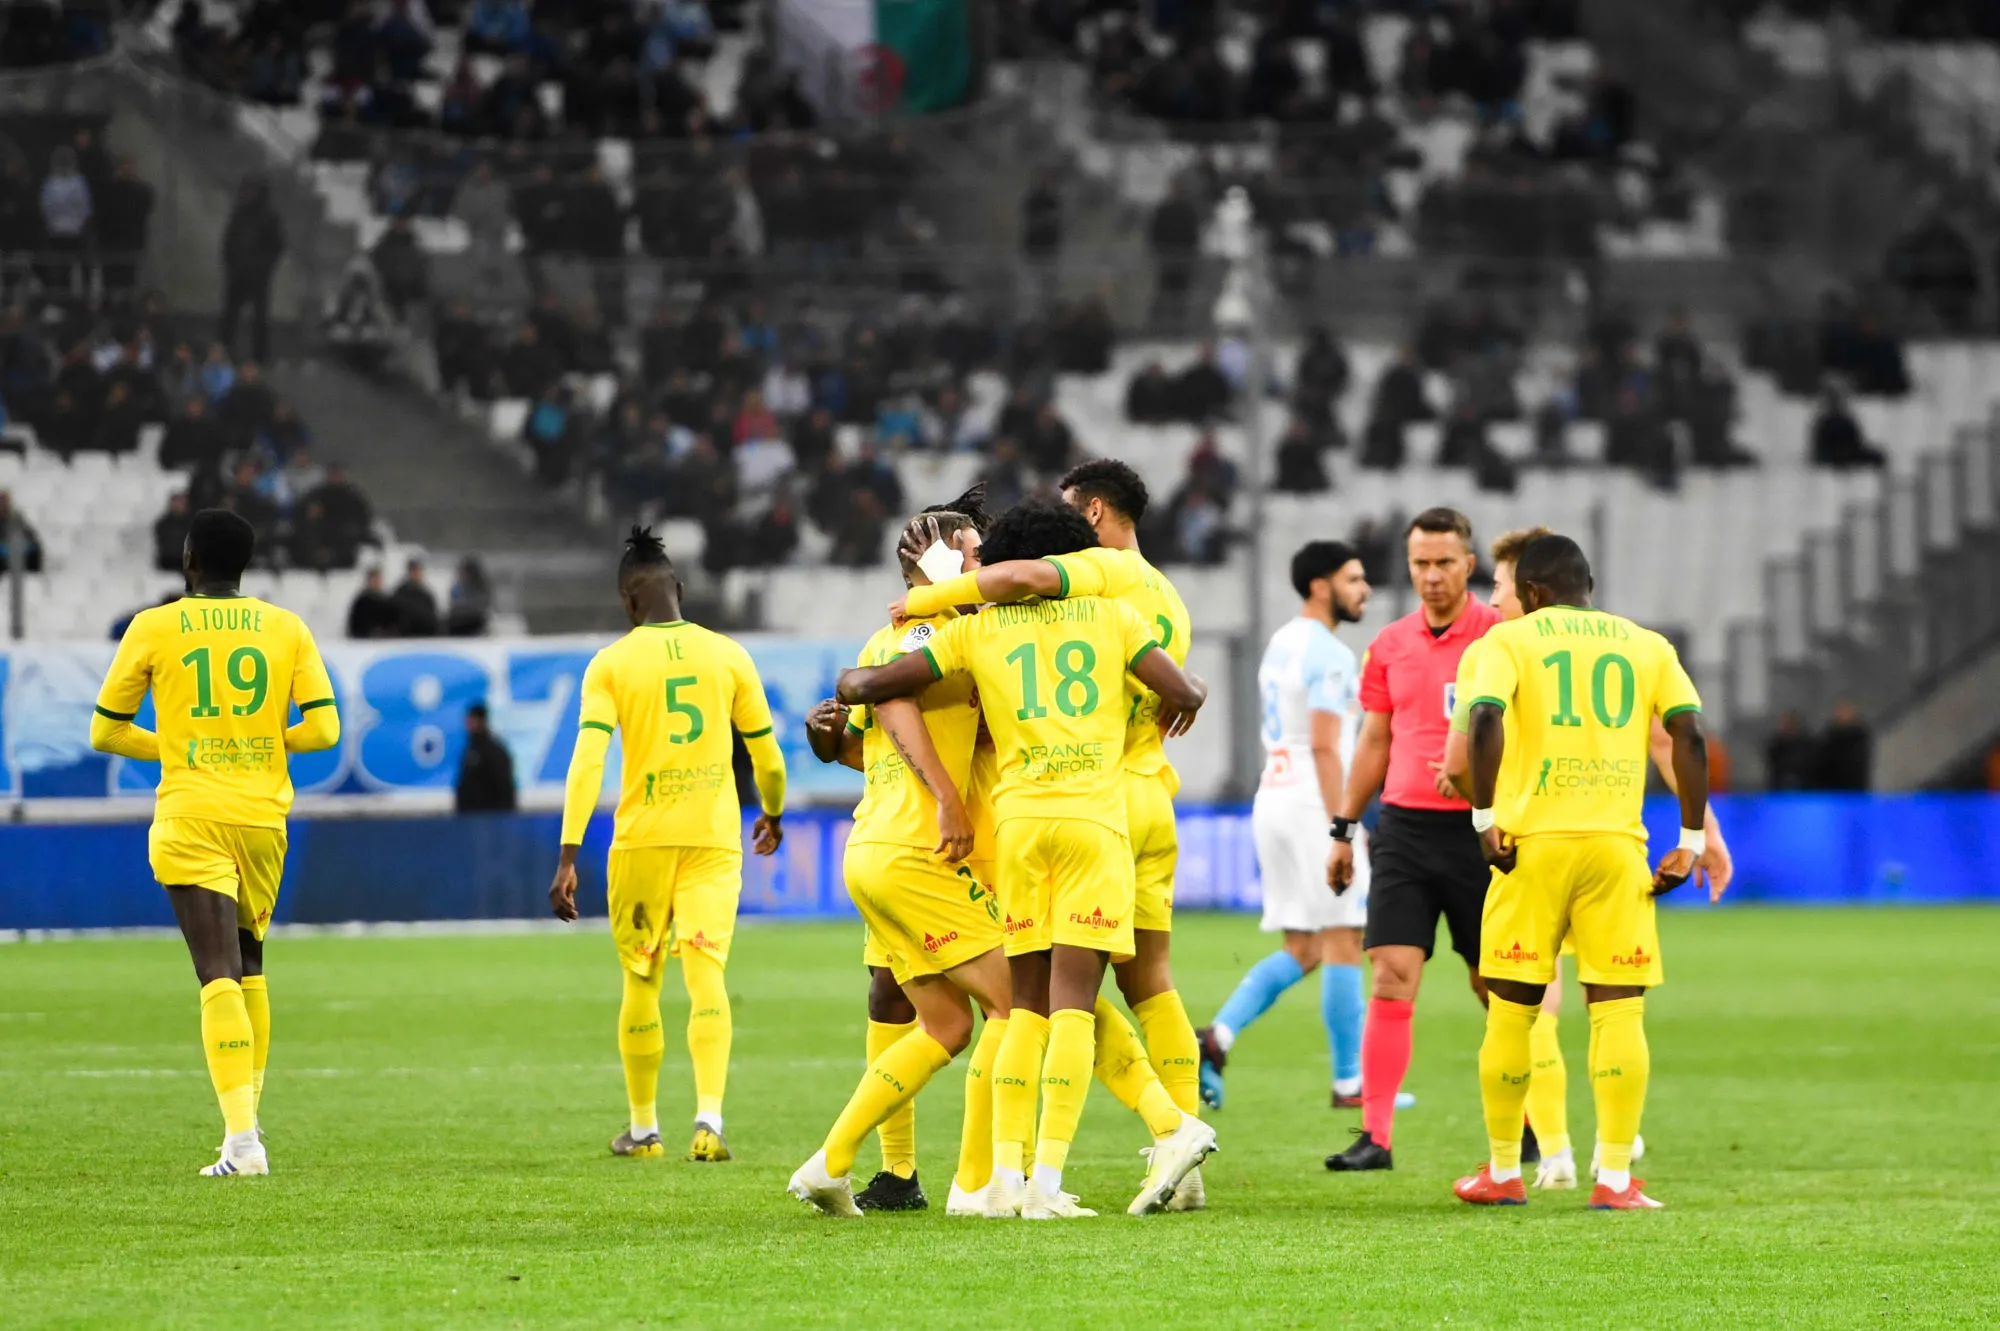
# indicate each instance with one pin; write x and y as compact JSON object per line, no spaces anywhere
{"x":1500,"y":849}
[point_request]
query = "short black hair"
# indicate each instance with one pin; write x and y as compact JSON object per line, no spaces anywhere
{"x":222,"y":543}
{"x":1036,"y":529}
{"x":1113,"y":482}
{"x":1439,"y":521}
{"x":477,"y":709}
{"x":1319,"y":559}
{"x":644,"y":553}
{"x":1556,"y":564}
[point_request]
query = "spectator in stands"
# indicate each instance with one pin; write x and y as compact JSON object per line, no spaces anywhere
{"x":1790,"y":755}
{"x":1300,"y":468}
{"x":485,"y":769}
{"x":13,"y":528}
{"x":246,"y":497}
{"x":66,"y":219}
{"x":1004,"y":477}
{"x":1048,"y":444}
{"x":1321,"y":377}
{"x":469,"y":604}
{"x":497,"y":27}
{"x":529,"y":366}
{"x":416,"y":606}
{"x":373,"y":614}
{"x":1636,"y":437}
{"x":124,"y":211}
{"x":217,"y":375}
{"x":812,"y":440}
{"x":348,"y":513}
{"x":313,"y":542}
{"x":1845,"y":758}
{"x":402,"y":267}
{"x":754,"y":422}
{"x":1837,"y":440}
{"x":249,"y":408}
{"x":1175,"y":236}
{"x":170,"y":531}
{"x":463,"y":349}
{"x":1933,"y":264}
{"x":482,"y":205}
{"x":20,"y":222}
{"x":253,"y":241}
{"x":69,"y":427}
{"x":1041,"y":241}
{"x":192,"y":439}
{"x":118,"y":421}
{"x":870,"y":473}
{"x":1149,"y":396}
{"x":1202,"y":392}
{"x":550,"y":432}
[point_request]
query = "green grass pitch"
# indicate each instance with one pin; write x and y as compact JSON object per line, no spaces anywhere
{"x":1823,"y":1128}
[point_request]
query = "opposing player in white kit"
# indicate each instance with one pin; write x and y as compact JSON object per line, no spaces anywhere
{"x":1308,"y":681}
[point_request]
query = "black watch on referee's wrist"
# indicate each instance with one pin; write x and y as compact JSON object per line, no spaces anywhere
{"x":1343,"y":829}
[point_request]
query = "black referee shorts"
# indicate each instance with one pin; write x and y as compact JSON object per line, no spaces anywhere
{"x":1424,"y":863}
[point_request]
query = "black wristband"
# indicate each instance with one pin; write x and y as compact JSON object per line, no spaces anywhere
{"x":1343,"y":829}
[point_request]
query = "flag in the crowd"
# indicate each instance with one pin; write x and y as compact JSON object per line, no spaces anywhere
{"x":870,"y":57}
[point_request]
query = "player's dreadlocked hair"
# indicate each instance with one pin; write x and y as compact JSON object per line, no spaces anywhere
{"x":644,"y":552}
{"x":1035,"y":529}
{"x":968,"y":510}
{"x":971,"y":506}
{"x":1113,"y":482}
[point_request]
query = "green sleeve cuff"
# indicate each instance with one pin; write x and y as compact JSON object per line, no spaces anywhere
{"x":1497,"y":702}
{"x":757,"y":734}
{"x":316,"y":702}
{"x":1140,"y":654}
{"x":594,"y":725}
{"x":937,"y":671}
{"x":853,"y":729}
{"x":1063,"y":574}
{"x":1673,"y":712}
{"x":110,"y":715}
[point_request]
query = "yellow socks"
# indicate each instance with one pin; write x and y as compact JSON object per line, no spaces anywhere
{"x":1548,"y":1087}
{"x":1504,"y":1063}
{"x":229,"y":1043}
{"x":1176,"y":1055}
{"x":1620,"y":1066}
{"x":641,"y":1046}
{"x":1017,"y":1071}
{"x":257,"y":1002}
{"x":975,"y":1140}
{"x":889,"y":1084}
{"x":898,"y":1131}
{"x":1066,"y":1072}
{"x":1128,"y":1074}
{"x":708,"y":1032}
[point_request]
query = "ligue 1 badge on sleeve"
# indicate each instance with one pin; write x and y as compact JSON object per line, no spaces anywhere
{"x":918,"y":635}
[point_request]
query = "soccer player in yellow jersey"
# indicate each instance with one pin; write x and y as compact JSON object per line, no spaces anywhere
{"x":1052,"y":686}
{"x":224,"y":670}
{"x":1548,"y":1089}
{"x":1570,"y":846}
{"x":1113,"y":499}
{"x":929,"y":914}
{"x":672,"y":690}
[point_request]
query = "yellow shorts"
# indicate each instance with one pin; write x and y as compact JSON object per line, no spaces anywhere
{"x":926,"y":916}
{"x":1156,"y":847}
{"x":875,"y":953}
{"x":242,"y":863}
{"x":1065,"y":880}
{"x":1596,"y":889}
{"x":665,"y":898}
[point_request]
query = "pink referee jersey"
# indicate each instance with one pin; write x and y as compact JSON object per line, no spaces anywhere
{"x":1412,"y":675}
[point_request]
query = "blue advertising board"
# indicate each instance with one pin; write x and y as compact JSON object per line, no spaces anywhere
{"x":1789,"y":849}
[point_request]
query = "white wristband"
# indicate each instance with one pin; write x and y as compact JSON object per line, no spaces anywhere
{"x":1482,"y":819}
{"x":1694,"y":839}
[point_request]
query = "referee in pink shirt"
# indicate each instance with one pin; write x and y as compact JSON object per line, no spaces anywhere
{"x":1425,"y":857}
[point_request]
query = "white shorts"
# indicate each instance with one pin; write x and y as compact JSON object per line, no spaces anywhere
{"x":1292,"y":845}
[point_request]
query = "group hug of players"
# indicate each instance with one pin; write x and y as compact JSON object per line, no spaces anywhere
{"x":1016,"y":838}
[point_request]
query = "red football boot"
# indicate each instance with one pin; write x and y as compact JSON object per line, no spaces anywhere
{"x":1481,"y":1190}
{"x":1633,"y":1198}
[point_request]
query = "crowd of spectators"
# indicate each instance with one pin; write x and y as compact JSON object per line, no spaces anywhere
{"x":1839,"y":757}
{"x":1344,"y":128}
{"x":54,"y":32}
{"x":244,"y":447}
{"x":411,"y":609}
{"x":78,"y":228}
{"x":756,"y":423}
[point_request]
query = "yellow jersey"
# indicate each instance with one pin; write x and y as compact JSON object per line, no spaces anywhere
{"x":1582,"y":686}
{"x":223,"y":671}
{"x":1051,"y":678}
{"x":1461,"y":721}
{"x":672,"y":691}
{"x":1124,"y":575}
{"x":895,"y":808}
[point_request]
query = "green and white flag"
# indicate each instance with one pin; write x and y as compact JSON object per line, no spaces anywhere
{"x":874,"y":57}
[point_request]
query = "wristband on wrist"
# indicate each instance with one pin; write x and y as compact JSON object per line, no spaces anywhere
{"x":1694,"y":839}
{"x":1343,"y":829}
{"x":1482,"y":819}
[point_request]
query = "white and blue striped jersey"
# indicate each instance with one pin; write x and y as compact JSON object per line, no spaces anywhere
{"x":1305,"y":669}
